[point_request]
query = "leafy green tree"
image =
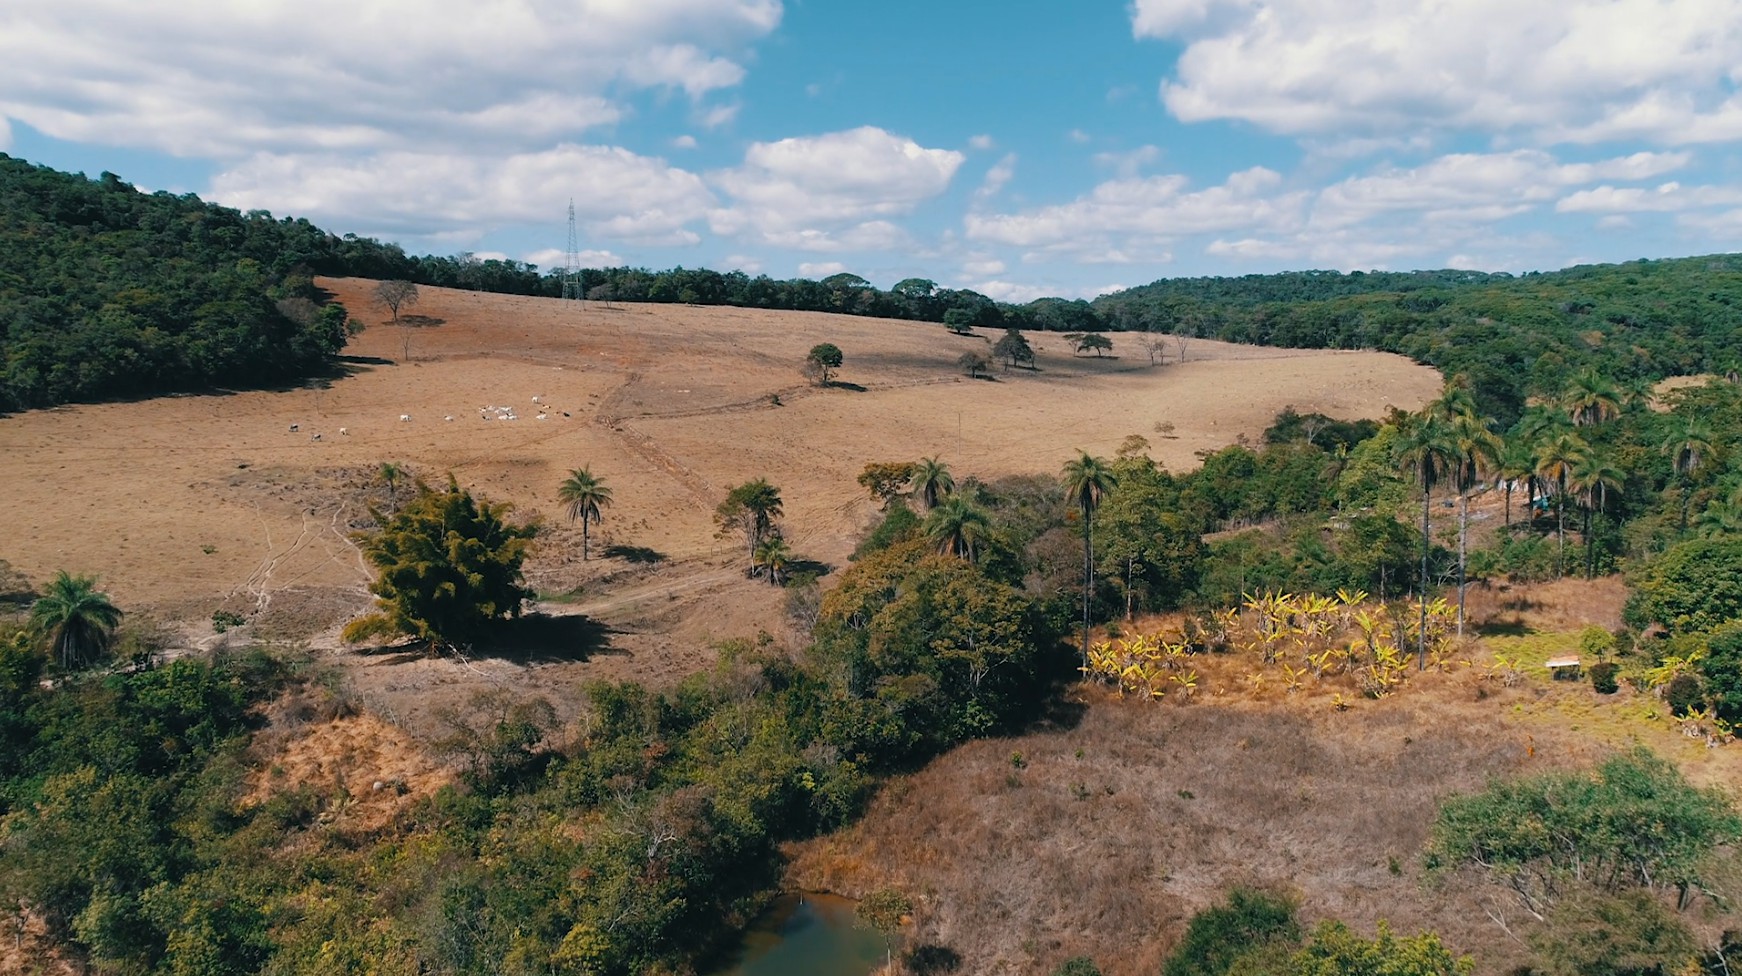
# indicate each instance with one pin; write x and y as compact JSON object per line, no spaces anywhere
{"x":1624,"y":934}
{"x":1085,"y":341}
{"x":887,"y":480}
{"x":1693,"y":586}
{"x":751,"y":508}
{"x":1722,"y":670}
{"x":1014,"y":349}
{"x":885,"y":910}
{"x":585,"y":495}
{"x":972,"y":363}
{"x":448,"y":565}
{"x":1633,"y":823}
{"x":1087,"y":480}
{"x":932,"y":481}
{"x":823,"y":357}
{"x":960,"y":320}
{"x":957,"y":527}
{"x":1426,"y":450}
{"x":1336,"y":951}
{"x":1250,"y":921}
{"x":1690,"y":447}
{"x":1514,"y":464}
{"x":1146,"y":543}
{"x":77,"y":619}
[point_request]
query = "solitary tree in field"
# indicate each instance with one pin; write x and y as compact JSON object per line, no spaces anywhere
{"x":823,"y":357}
{"x":78,"y":620}
{"x":932,"y":481}
{"x":1689,"y":447}
{"x":1426,"y":451}
{"x":1013,"y":348}
{"x":1088,"y":480}
{"x":1085,"y":341}
{"x":751,"y":508}
{"x":973,"y":363}
{"x":449,"y":565}
{"x":395,"y":295}
{"x":585,"y":495}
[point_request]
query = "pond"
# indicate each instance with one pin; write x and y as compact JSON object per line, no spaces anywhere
{"x":807,"y":934}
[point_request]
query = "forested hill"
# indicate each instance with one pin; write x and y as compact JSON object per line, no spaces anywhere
{"x":1513,"y":336}
{"x":109,"y":292}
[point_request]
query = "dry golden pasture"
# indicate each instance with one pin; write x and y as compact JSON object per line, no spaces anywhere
{"x":183,"y":505}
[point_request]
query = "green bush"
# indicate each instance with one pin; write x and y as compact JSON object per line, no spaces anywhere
{"x":1603,"y":677}
{"x":1684,"y":693}
{"x":1078,"y":966}
{"x":1722,"y":670}
{"x":1692,"y":587}
{"x":1629,"y":934}
{"x":1219,"y":935}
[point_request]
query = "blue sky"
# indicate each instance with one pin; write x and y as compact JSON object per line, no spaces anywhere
{"x":1017,"y":148}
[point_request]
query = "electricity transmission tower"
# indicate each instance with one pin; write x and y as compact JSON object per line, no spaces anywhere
{"x":572,"y":261}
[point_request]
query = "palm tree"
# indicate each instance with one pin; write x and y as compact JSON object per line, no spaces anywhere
{"x":1722,"y":518}
{"x":1426,"y":452}
{"x":932,"y":481}
{"x":1689,"y":447}
{"x":585,"y":495}
{"x":78,"y":619}
{"x":1591,"y":476}
{"x":752,"y":507}
{"x":1478,"y":453}
{"x":774,"y":555}
{"x":1087,"y":481}
{"x":1554,"y":464}
{"x":957,"y":526}
{"x":1591,"y":399}
{"x":1514,"y":464}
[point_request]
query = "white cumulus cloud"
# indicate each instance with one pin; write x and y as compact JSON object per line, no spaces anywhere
{"x":210,"y":77}
{"x":819,"y":187}
{"x":617,"y":194}
{"x":1570,"y":70}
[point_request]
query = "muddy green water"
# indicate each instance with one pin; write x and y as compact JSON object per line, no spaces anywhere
{"x":807,"y":935}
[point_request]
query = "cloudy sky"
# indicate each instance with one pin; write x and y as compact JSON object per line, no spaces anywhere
{"x":1017,"y":148}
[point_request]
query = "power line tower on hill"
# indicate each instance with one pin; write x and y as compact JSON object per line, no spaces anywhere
{"x":572,"y":261}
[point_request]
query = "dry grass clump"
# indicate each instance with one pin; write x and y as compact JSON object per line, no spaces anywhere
{"x":1104,"y":838}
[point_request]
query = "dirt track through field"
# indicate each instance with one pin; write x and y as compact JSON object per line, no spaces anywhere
{"x":246,"y":501}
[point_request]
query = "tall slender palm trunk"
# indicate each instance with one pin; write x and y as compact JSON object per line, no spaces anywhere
{"x":1088,"y":583}
{"x":1421,"y":589}
{"x":1463,"y":530}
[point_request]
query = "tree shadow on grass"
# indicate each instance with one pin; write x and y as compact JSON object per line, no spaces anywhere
{"x":1516,"y":627}
{"x":420,"y":321}
{"x":634,"y":554}
{"x":541,"y":638}
{"x":838,"y":385}
{"x":807,"y":567}
{"x":535,"y":638}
